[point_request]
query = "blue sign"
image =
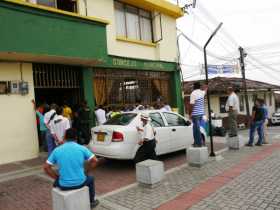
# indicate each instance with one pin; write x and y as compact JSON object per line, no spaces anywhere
{"x":221,"y":69}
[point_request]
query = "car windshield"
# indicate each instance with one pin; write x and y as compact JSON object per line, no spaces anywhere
{"x":278,"y":110}
{"x":121,"y":119}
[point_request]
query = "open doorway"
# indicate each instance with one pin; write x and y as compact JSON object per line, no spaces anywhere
{"x":58,"y":84}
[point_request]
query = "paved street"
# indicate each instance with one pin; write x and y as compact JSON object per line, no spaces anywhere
{"x":24,"y":186}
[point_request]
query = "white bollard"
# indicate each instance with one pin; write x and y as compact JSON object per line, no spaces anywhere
{"x":71,"y":200}
{"x":235,"y":142}
{"x":197,"y":156}
{"x":149,"y":172}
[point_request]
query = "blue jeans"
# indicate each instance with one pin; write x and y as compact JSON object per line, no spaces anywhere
{"x":259,"y":126}
{"x":89,"y":183}
{"x":196,"y":129}
{"x":50,"y":142}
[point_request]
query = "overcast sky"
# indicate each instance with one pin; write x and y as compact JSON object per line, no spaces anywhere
{"x":252,"y":24}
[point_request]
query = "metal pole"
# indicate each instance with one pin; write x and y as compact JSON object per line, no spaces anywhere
{"x":212,"y":153}
{"x":242,"y":65}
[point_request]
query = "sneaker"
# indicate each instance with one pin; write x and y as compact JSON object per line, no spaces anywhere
{"x":94,"y":204}
{"x":258,"y":144}
{"x":249,"y":145}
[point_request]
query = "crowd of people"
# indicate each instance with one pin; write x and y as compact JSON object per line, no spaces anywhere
{"x":53,"y":121}
{"x":103,"y":113}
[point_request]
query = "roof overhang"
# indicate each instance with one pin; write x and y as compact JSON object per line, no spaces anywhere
{"x":162,"y":6}
{"x":31,"y":58}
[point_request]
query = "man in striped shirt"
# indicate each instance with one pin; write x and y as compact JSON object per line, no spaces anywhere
{"x":196,"y":111}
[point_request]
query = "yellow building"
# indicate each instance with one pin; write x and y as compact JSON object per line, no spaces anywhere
{"x":105,"y":51}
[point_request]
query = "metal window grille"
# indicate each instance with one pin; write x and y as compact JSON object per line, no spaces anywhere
{"x":56,"y":76}
{"x":124,"y":87}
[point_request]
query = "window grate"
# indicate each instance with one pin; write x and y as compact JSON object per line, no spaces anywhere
{"x":124,"y":87}
{"x":56,"y":76}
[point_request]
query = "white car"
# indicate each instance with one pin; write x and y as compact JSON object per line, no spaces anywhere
{"x":275,"y":119}
{"x":118,"y":137}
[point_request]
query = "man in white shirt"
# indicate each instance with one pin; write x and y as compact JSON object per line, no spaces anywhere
{"x":148,"y":142}
{"x":100,"y":115}
{"x":48,"y":117}
{"x":196,"y":111}
{"x":232,"y":107}
{"x":58,"y":126}
{"x":166,"y":107}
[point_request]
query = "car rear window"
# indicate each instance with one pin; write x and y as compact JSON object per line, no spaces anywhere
{"x":121,"y":119}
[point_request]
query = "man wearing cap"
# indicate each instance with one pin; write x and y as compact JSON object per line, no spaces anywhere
{"x":147,"y":143}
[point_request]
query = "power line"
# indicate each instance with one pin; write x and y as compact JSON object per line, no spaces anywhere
{"x":201,"y":48}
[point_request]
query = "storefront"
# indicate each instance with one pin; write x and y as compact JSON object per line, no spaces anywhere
{"x":124,"y":81}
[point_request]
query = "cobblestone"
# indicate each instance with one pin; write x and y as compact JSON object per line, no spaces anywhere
{"x":183,"y":181}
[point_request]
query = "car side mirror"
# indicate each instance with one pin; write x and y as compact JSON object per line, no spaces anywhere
{"x":188,"y":123}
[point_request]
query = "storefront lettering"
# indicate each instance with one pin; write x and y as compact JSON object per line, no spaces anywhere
{"x":124,"y":62}
{"x":153,"y":66}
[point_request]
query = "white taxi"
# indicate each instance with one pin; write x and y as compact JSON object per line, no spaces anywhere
{"x":118,"y":137}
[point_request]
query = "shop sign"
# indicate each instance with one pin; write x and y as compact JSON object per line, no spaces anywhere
{"x":137,"y":64}
{"x":124,"y":62}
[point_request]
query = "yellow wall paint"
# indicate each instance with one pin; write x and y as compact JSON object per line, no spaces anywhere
{"x":18,"y":122}
{"x":165,"y":50}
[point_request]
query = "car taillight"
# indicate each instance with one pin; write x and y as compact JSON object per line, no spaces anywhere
{"x":117,"y":137}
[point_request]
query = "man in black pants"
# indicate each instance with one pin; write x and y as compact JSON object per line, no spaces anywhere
{"x":148,"y":142}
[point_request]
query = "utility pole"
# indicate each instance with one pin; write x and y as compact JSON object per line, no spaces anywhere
{"x":242,"y":65}
{"x":212,"y":153}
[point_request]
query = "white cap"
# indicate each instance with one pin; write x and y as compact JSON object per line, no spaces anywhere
{"x":144,"y":116}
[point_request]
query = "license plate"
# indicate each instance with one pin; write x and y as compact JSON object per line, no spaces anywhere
{"x":101,"y":137}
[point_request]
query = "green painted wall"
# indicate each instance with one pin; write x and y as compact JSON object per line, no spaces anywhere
{"x":88,"y":91}
{"x":176,"y":92}
{"x":30,"y":30}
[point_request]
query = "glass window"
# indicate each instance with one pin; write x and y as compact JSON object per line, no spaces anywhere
{"x":156,"y":120}
{"x":174,"y":120}
{"x":241,"y":103}
{"x":49,"y":3}
{"x":121,"y":119}
{"x":120,"y":19}
{"x":223,"y":101}
{"x":132,"y":22}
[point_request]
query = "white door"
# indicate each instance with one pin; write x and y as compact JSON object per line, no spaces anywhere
{"x":180,"y":132}
{"x":162,"y":133}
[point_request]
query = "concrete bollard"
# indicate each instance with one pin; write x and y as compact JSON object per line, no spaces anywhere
{"x":197,"y":156}
{"x":71,"y":200}
{"x":149,"y":172}
{"x":235,"y":142}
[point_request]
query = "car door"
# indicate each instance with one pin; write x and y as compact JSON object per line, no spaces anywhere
{"x":162,"y":133}
{"x":180,"y":131}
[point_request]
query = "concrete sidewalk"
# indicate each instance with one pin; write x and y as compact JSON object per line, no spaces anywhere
{"x":244,"y":179}
{"x":23,"y":185}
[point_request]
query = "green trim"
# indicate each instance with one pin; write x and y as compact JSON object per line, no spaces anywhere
{"x":43,"y":34}
{"x":176,"y":92}
{"x":89,"y":92}
{"x":116,"y":62}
